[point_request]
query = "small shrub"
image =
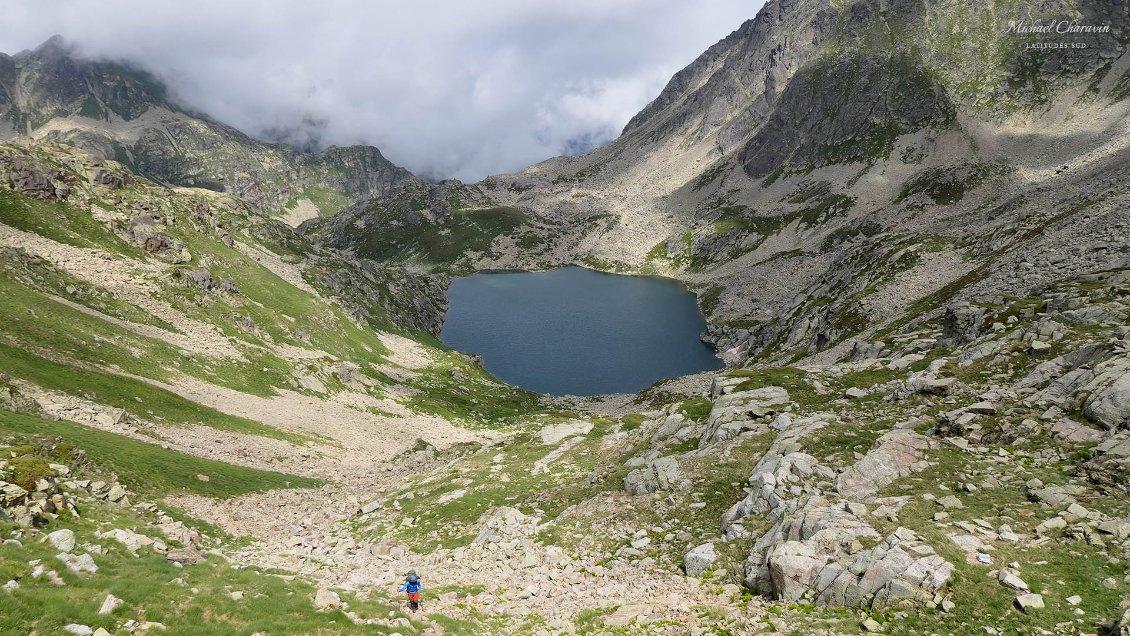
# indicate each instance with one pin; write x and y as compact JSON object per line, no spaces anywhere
{"x":67,"y":452}
{"x":632,"y":421}
{"x":26,"y":471}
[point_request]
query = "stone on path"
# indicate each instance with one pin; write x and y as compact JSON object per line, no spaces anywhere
{"x":1008,"y":579}
{"x":185,"y":556}
{"x":624,"y":615}
{"x":871,"y":625}
{"x":950,"y":502}
{"x":109,"y":605}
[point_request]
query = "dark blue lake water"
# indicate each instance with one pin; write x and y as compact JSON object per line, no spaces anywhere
{"x":576,"y":331}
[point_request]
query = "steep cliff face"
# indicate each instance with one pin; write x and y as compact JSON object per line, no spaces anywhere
{"x":846,"y":110}
{"x":733,"y":85}
{"x":117,"y":112}
{"x":847,"y":76}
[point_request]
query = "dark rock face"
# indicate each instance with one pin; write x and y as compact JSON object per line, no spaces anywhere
{"x":844,"y":111}
{"x":961,"y":325}
{"x":54,"y":83}
{"x":366,"y":289}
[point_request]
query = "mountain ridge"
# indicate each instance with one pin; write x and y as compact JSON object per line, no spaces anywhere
{"x":122,"y":113}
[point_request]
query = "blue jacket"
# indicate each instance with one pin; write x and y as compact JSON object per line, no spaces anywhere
{"x":411,"y":587}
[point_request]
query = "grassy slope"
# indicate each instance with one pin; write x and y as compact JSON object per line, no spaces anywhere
{"x":147,"y":468}
{"x":62,"y":223}
{"x":135,"y":396}
{"x":466,"y":231}
{"x":55,"y":346}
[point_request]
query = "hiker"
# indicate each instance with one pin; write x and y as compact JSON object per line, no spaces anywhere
{"x":413,"y":586}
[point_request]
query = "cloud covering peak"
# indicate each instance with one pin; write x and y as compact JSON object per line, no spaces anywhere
{"x":446,"y":88}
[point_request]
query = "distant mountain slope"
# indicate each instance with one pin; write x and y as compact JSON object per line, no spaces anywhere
{"x":832,"y":165}
{"x":118,"y":112}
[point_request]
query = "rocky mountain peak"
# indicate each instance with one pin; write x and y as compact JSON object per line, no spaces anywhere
{"x":55,"y":46}
{"x":117,"y":111}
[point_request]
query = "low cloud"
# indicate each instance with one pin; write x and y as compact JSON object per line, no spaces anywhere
{"x":446,"y":88}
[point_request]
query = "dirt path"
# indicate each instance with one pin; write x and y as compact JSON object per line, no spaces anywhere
{"x":356,"y":435}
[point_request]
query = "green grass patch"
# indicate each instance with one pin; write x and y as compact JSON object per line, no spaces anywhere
{"x":791,"y":379}
{"x":445,"y":243}
{"x":455,"y":389}
{"x":949,"y":184}
{"x":60,"y":222}
{"x":135,"y":396}
{"x":696,"y":409}
{"x":35,"y":322}
{"x":328,"y":200}
{"x":149,"y":469}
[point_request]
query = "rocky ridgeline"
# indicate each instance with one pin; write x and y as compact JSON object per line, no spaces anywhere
{"x":73,"y":99}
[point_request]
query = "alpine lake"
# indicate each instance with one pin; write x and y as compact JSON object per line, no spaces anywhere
{"x":575,"y":331}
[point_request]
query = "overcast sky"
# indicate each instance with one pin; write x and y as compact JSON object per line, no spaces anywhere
{"x":448,"y":88}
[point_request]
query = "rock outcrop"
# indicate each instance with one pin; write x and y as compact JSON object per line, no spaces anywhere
{"x":818,"y":556}
{"x":659,"y":474}
{"x":734,"y":411}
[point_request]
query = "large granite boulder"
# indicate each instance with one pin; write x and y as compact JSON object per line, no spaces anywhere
{"x":1108,"y":402}
{"x":783,"y":471}
{"x":698,"y":561}
{"x":961,"y":325}
{"x":659,"y":474}
{"x":896,"y":454}
{"x":820,"y":555}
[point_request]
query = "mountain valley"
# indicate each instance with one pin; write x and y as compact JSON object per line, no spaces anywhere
{"x":224,"y":406}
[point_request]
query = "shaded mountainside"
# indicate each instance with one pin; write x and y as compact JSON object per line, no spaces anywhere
{"x":118,"y":112}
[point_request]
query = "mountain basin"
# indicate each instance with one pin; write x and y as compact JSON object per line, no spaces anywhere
{"x":575,"y":331}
